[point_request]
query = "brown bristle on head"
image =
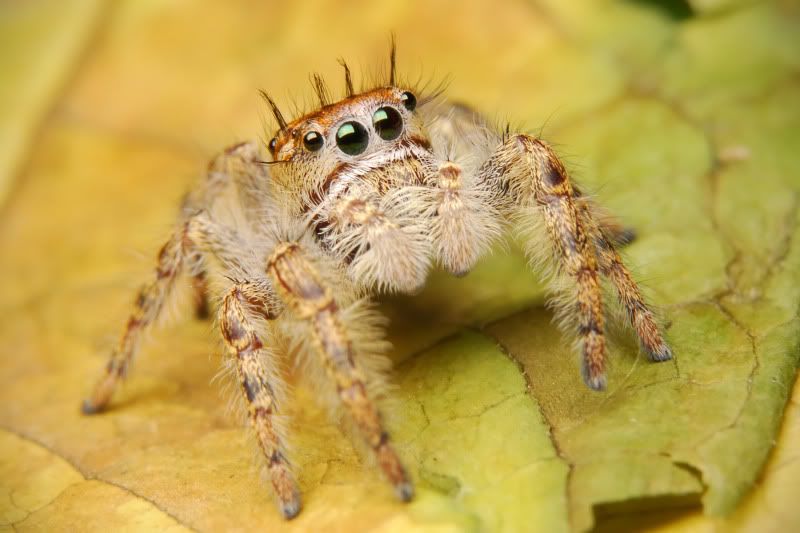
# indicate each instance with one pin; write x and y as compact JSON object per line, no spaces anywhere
{"x":326,"y":116}
{"x":321,"y":89}
{"x":392,"y":62}
{"x":348,"y":80}
{"x":275,"y":111}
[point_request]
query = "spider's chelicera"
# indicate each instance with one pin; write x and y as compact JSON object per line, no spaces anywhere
{"x":362,"y":196}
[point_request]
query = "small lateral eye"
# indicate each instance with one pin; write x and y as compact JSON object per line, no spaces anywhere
{"x":313,"y":141}
{"x":273,"y":144}
{"x":352,"y":138}
{"x":409,"y":100}
{"x":388,"y":123}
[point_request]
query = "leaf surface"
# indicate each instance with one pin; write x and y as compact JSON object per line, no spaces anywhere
{"x":684,"y":119}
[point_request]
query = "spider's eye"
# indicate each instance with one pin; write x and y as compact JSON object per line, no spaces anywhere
{"x":352,"y":138}
{"x":409,"y":100}
{"x":388,"y":123}
{"x":273,"y":144}
{"x":313,"y":141}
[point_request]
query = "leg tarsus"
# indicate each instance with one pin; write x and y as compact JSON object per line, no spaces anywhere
{"x":596,"y":382}
{"x":103,"y":390}
{"x":89,"y":407}
{"x":626,"y":236}
{"x":609,"y":225}
{"x":660,"y":354}
{"x":291,"y":508}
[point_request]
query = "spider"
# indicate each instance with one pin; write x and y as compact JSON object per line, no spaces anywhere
{"x":360,"y":197}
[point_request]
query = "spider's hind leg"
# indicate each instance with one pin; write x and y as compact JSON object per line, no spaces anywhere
{"x":638,"y":313}
{"x":147,"y":308}
{"x":178,"y":255}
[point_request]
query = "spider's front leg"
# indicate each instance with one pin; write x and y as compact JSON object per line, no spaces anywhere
{"x":529,"y":179}
{"x":257,"y":380}
{"x":303,"y":292}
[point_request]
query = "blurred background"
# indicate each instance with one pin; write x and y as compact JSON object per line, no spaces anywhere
{"x":682,"y":115}
{"x":186,"y":73}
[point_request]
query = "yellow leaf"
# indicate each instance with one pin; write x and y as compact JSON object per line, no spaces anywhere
{"x":685,"y":124}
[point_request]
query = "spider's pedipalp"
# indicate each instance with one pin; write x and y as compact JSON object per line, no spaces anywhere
{"x":464,"y":224}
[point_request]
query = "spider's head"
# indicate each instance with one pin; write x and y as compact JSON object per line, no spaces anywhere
{"x":375,"y":124}
{"x":359,"y":133}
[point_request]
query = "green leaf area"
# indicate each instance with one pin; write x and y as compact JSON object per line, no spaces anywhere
{"x":683,"y":118}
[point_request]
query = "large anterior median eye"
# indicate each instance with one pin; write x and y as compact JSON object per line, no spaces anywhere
{"x":352,"y":138}
{"x":388,"y":123}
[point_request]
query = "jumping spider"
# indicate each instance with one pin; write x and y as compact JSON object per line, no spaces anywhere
{"x":360,"y":197}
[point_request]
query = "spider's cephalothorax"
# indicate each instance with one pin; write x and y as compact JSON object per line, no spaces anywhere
{"x":361,"y":196}
{"x":359,"y":173}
